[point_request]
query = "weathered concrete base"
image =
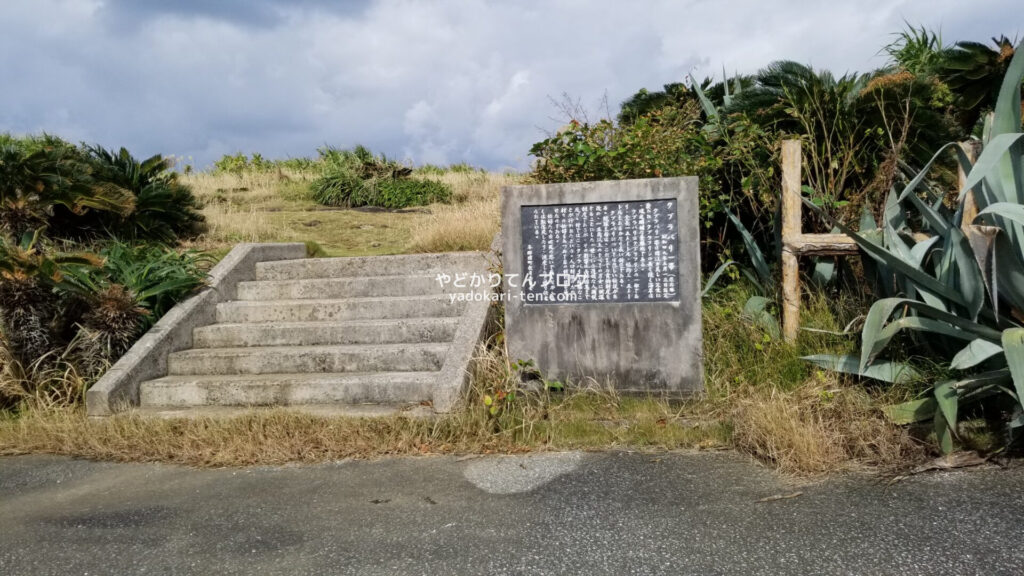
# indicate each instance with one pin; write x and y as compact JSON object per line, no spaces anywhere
{"x":455,"y":373}
{"x":375,"y":410}
{"x":147,"y":359}
{"x":634,"y":347}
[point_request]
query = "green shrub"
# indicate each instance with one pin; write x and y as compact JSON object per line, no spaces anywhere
{"x":297,"y":164}
{"x":240,"y":163}
{"x":458,"y":168}
{"x":463,"y":168}
{"x":338,"y":186}
{"x":33,"y":278}
{"x":47,"y":297}
{"x":158,"y":277}
{"x":430,"y":170}
{"x":88,"y":191}
{"x":974,"y":73}
{"x":354,"y":178}
{"x":404,"y":192}
{"x":44,"y":176}
{"x":361,"y":162}
{"x":734,"y":166}
{"x":231,"y":164}
{"x":669,"y":142}
{"x":114,"y":303}
{"x":77,"y":313}
{"x":341,"y":187}
{"x":856,"y":128}
{"x":165,"y":208}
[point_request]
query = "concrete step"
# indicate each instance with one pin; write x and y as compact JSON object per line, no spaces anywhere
{"x":361,"y":287}
{"x":308,"y":359}
{"x":412,"y":330}
{"x":404,"y":409}
{"x":402,"y":265}
{"x":288,"y":389}
{"x":338,"y":310}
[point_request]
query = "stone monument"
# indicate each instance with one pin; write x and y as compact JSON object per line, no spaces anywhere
{"x":603,"y":281}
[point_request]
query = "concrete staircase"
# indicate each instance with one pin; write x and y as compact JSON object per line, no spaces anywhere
{"x":331,"y":331}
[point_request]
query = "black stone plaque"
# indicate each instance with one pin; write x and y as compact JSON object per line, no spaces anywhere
{"x":600,"y":252}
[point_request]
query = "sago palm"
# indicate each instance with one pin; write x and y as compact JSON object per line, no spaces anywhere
{"x":975,"y":72}
{"x":165,"y":209}
{"x":29,"y":280}
{"x":33,"y":182}
{"x":851,"y":125}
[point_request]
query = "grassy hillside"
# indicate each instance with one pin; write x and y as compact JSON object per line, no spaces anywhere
{"x":275,"y":206}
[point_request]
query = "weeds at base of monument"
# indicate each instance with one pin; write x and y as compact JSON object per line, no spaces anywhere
{"x":525,"y":371}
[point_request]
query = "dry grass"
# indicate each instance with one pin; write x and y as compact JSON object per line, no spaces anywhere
{"x":276,"y":207}
{"x":472,"y":221}
{"x":227,"y":222}
{"x":761,"y":399}
{"x":59,"y":378}
{"x":264,"y":191}
{"x":588,"y":418}
{"x":260,"y":437}
{"x":458,"y":227}
{"x":819,"y":428}
{"x":782,"y":411}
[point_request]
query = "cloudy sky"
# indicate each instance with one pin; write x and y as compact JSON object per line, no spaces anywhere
{"x":426,"y":80}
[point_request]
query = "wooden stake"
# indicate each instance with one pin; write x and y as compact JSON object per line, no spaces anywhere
{"x":791,"y":231}
{"x":795,"y":243}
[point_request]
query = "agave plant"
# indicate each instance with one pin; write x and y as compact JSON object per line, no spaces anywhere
{"x":958,"y":282}
{"x":760,"y":275}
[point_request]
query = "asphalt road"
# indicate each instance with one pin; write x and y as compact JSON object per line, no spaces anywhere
{"x":611,"y":513}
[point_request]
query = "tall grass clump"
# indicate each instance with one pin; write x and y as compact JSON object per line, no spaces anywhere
{"x":473,"y":218}
{"x":780,"y":409}
{"x":355,"y":178}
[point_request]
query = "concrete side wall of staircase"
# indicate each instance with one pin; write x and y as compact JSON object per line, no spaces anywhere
{"x":147,"y":359}
{"x":279,"y":329}
{"x":334,"y":334}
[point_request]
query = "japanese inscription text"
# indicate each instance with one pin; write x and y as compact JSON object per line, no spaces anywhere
{"x":601,"y":252}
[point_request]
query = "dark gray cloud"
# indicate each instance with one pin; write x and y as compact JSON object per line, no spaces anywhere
{"x":427,"y":80}
{"x":248,"y":12}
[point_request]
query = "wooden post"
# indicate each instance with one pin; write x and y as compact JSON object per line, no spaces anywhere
{"x":791,"y":231}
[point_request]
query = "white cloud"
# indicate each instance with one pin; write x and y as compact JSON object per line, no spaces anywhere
{"x":437,"y":81}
